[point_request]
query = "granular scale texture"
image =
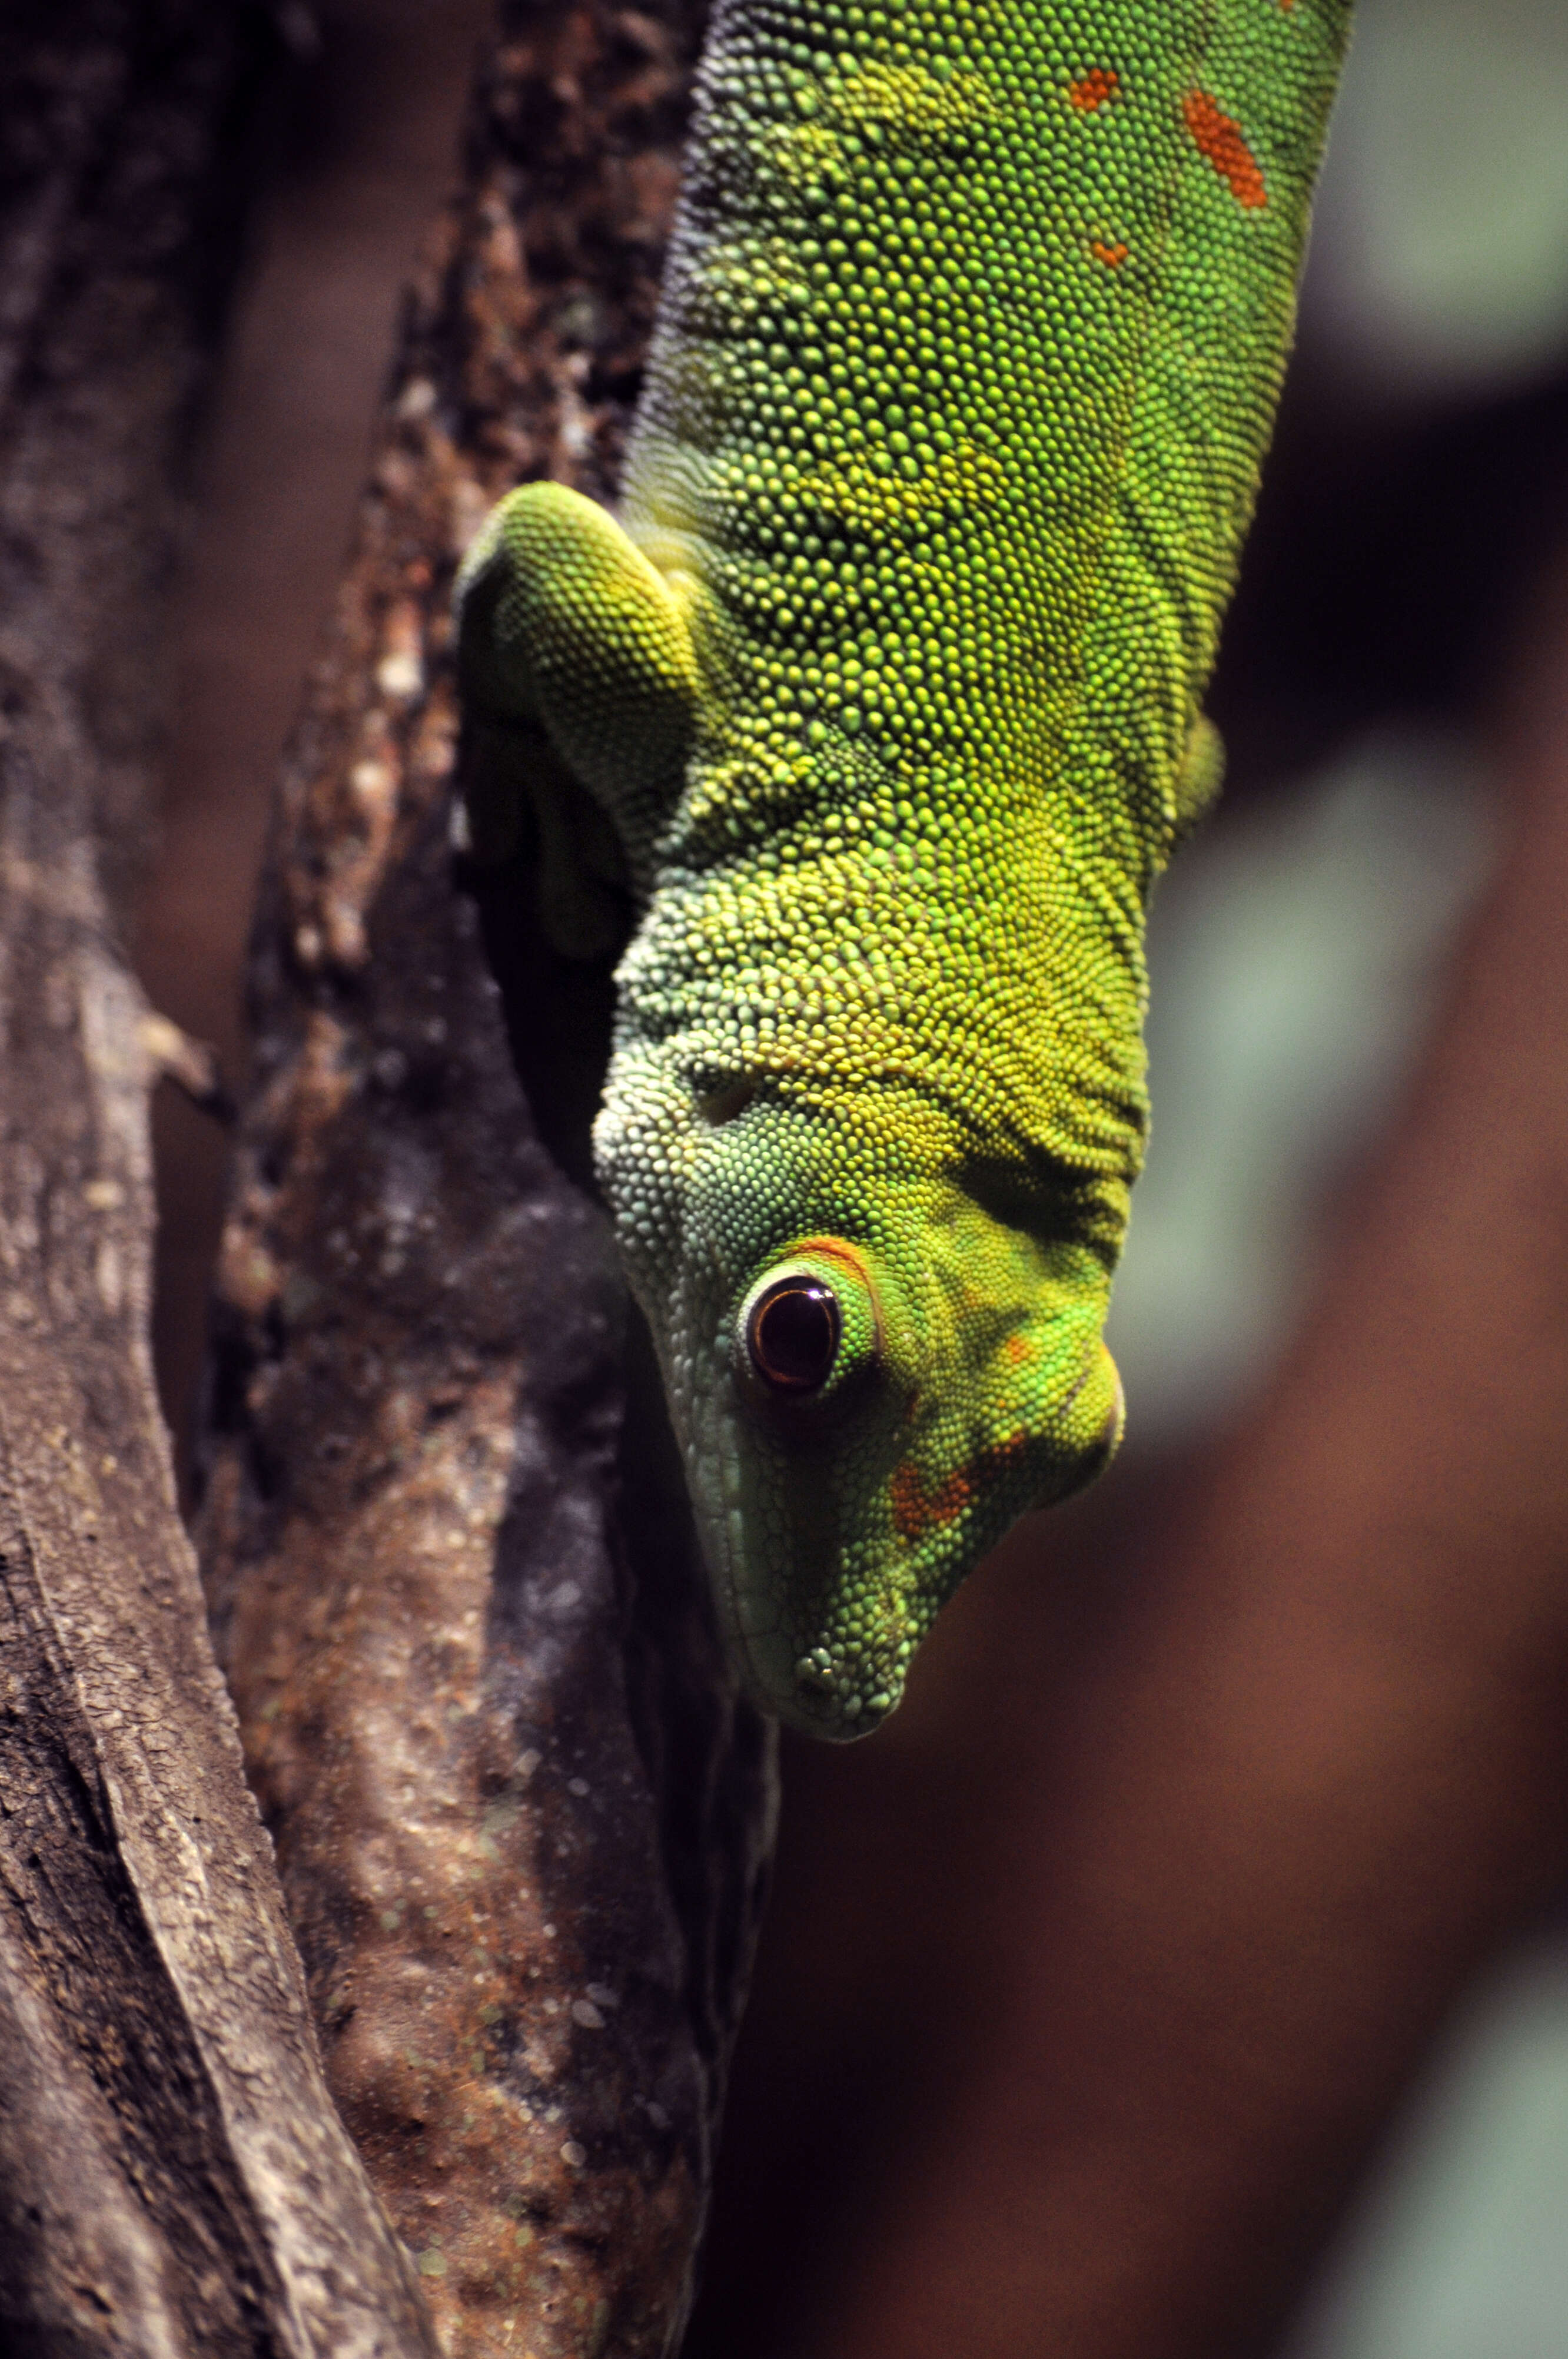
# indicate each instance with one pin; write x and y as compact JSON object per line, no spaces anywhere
{"x":968,"y":351}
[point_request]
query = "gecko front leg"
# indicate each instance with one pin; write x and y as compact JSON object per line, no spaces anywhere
{"x":579,"y":687}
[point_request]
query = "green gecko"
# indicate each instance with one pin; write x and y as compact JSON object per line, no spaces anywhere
{"x":888,"y":680}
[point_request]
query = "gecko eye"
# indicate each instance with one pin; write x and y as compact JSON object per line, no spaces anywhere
{"x":791,"y":1335}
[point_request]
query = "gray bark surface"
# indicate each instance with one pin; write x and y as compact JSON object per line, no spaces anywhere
{"x":173,"y":2176}
{"x":522,"y":1815}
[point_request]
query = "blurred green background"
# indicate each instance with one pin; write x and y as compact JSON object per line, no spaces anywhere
{"x":1296,"y":949}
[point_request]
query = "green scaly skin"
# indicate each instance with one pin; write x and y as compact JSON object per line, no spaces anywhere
{"x":889,"y":678}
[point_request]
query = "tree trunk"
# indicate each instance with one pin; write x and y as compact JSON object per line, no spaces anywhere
{"x":173,"y":2179}
{"x":522,"y":1815}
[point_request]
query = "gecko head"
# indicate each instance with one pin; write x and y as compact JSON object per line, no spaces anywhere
{"x":874,"y":1365}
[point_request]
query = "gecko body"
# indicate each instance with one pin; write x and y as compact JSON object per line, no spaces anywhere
{"x":887,"y":680}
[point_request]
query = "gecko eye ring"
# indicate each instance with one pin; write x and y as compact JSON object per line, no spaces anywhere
{"x":792,"y":1333}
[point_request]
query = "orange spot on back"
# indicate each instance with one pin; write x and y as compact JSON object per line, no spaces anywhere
{"x":1218,"y":136}
{"x":1095,"y":91}
{"x":1112,"y":256}
{"x":916,"y":1510}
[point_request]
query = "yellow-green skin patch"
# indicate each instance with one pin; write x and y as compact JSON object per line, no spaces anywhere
{"x":889,"y":679}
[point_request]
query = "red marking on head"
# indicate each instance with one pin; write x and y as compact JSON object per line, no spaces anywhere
{"x":1095,"y":89}
{"x":1218,"y":136}
{"x":1017,"y":1350}
{"x":916,"y":1510}
{"x":1113,"y":255}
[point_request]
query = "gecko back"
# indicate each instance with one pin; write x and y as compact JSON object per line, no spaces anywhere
{"x":967,"y":355}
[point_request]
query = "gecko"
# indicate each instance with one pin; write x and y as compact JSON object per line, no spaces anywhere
{"x":881,"y":695}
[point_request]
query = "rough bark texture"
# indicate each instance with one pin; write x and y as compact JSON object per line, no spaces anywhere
{"x":173,"y":2179}
{"x":523,"y":1818}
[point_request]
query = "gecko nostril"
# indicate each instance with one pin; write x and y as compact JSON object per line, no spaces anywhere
{"x":792,"y":1334}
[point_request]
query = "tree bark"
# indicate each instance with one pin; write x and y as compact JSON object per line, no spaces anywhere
{"x":522,"y":1815}
{"x":173,"y":2179}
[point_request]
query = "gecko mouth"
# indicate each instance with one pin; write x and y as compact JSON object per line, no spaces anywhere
{"x":830,"y":1711}
{"x":814,"y":1691}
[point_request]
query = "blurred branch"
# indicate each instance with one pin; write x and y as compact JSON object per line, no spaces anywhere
{"x":1318,"y":1774}
{"x":190,"y":1064}
{"x":173,"y":2179}
{"x":522,"y":1814}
